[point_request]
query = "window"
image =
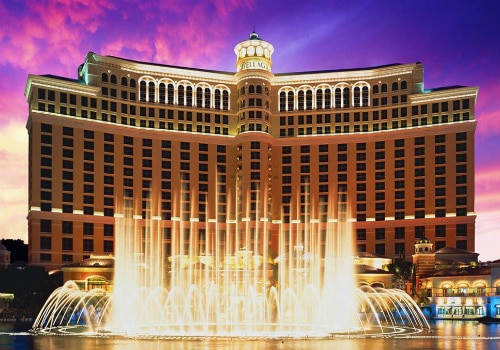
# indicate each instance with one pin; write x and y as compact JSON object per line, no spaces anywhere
{"x":462,"y":244}
{"x":400,"y":233}
{"x":88,"y":245}
{"x":461,"y":230}
{"x":108,"y":246}
{"x":399,"y":248}
{"x":88,"y":228}
{"x":67,"y":227}
{"x":45,"y":243}
{"x":420,"y":232}
{"x":361,"y":234}
{"x":45,"y":226}
{"x":440,"y":230}
{"x":379,"y":233}
{"x":67,"y":244}
{"x":380,"y":248}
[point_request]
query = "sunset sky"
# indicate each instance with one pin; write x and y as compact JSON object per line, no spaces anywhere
{"x":457,"y":41}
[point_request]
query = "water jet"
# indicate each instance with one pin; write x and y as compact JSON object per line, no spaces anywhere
{"x":229,"y":286}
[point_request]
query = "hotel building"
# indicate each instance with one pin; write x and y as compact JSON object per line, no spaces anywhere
{"x":248,"y":153}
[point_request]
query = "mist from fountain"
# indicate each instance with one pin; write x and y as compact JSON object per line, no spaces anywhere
{"x":227,"y":284}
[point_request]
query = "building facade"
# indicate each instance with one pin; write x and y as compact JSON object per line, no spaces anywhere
{"x":453,"y":284}
{"x":247,"y":154}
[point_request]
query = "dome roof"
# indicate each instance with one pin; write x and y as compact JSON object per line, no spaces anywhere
{"x":371,"y":255}
{"x":453,"y":250}
{"x":254,"y":36}
{"x":2,"y":247}
{"x":94,"y":261}
{"x":254,"y":47}
{"x":423,"y":241}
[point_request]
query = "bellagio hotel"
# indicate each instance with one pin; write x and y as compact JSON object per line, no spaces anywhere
{"x":246,"y":151}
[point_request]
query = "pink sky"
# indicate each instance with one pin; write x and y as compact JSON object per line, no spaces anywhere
{"x":457,"y":41}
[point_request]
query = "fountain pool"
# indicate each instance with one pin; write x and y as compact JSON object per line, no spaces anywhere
{"x":228,"y":285}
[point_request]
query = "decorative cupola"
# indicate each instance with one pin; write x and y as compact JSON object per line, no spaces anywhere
{"x":253,"y":54}
{"x":423,"y":246}
{"x":424,"y":259}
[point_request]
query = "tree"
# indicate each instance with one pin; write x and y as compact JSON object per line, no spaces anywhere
{"x":18,"y":249}
{"x":31,"y":287}
{"x":422,"y":298}
{"x":402,"y":271}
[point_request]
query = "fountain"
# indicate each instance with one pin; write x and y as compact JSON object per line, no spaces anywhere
{"x":228,"y":285}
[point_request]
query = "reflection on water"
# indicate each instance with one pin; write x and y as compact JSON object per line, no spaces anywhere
{"x":456,"y":335}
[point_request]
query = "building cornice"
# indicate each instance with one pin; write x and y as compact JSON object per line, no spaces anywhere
{"x":164,"y":70}
{"x":313,"y":77}
{"x":444,"y":94}
{"x":344,"y":75}
{"x":52,"y":82}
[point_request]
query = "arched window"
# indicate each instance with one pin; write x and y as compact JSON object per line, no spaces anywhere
{"x":375,"y":89}
{"x":217,"y":99}
{"x":319,"y":99}
{"x":124,"y":81}
{"x":132,"y":83}
{"x":97,"y":282}
{"x":162,"y":93}
{"x":170,"y":94}
{"x":290,"y":100}
{"x":104,"y":77}
{"x":357,"y":96}
{"x":300,"y":100}
{"x":309,"y":100}
{"x":267,"y":91}
{"x":365,"y":98}
{"x":360,"y":93}
{"x":479,"y":289}
{"x":151,"y":91}
{"x":404,"y":85}
{"x":242,"y":91}
{"x":142,"y":91}
{"x":189,"y":96}
{"x":338,"y":98}
{"x":207,"y":98}
{"x":259,"y":89}
{"x":395,"y":86}
{"x":225,"y":100}
{"x":251,"y":89}
{"x":447,"y":290}
{"x":113,"y":79}
{"x":463,"y":289}
{"x":328,"y":98}
{"x":345,"y":99}
{"x":180,"y":95}
{"x":199,"y":97}
{"x":282,"y":101}
{"x":383,"y":88}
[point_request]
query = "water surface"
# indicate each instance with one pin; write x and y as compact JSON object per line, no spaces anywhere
{"x":456,"y":335}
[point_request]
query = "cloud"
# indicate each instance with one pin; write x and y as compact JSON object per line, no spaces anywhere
{"x":14,"y":175}
{"x":488,"y":110}
{"x":12,"y":101}
{"x":488,"y":211}
{"x":487,"y":235}
{"x":487,"y":188}
{"x":45,"y":33}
